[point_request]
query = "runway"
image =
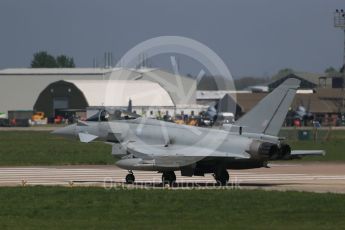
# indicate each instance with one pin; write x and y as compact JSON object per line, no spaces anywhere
{"x":312,"y":177}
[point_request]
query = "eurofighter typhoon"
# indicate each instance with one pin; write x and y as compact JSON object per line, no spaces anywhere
{"x":154,"y":145}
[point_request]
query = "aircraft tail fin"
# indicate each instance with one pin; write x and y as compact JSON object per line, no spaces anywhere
{"x":269,"y":114}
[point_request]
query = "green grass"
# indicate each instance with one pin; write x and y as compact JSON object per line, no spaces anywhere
{"x":42,"y":148}
{"x":334,"y":149}
{"x":332,"y":142}
{"x":96,"y":208}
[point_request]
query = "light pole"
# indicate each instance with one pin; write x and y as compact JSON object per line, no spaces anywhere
{"x":339,"y":22}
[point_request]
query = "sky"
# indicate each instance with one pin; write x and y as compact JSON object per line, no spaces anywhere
{"x":252,"y":37}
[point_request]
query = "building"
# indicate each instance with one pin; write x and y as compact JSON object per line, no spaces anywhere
{"x":20,"y":88}
{"x":326,"y":104}
{"x":308,"y":80}
{"x":55,"y":89}
{"x":324,"y":109}
{"x":182,"y":89}
{"x":208,"y":97}
{"x":75,"y":95}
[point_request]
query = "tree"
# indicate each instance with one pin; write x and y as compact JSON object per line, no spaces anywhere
{"x":342,"y":69}
{"x":282,"y":73}
{"x":330,"y":70}
{"x":65,"y":62}
{"x":286,"y":71}
{"x":43,"y":60}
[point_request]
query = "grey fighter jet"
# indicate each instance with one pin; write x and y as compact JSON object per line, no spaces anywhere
{"x":153,"y":145}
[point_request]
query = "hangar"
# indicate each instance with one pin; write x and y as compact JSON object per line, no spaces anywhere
{"x":49,"y":89}
{"x":80,"y":94}
{"x":20,"y":88}
{"x":182,"y":89}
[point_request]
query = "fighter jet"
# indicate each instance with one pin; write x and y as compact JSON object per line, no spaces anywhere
{"x":153,"y":145}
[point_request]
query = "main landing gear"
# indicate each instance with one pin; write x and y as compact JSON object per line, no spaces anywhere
{"x":169,"y":177}
{"x":130,"y":178}
{"x":221,"y":176}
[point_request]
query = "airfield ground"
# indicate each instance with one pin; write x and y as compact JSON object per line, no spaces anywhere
{"x":51,"y":161}
{"x":32,"y":158}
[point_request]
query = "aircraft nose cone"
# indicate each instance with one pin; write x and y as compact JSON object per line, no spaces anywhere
{"x":68,"y":131}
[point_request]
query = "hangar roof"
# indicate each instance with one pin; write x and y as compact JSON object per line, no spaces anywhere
{"x":181,"y":88}
{"x":54,"y":71}
{"x":31,"y":81}
{"x":118,"y":93}
{"x":308,"y":80}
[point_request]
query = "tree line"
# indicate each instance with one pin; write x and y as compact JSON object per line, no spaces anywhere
{"x":44,"y":60}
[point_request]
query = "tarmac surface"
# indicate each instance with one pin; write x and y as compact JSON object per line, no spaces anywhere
{"x":311,"y":177}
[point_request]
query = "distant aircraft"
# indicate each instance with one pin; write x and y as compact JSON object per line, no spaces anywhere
{"x":104,"y":115}
{"x":301,"y":115}
{"x":153,"y":145}
{"x":218,"y":113}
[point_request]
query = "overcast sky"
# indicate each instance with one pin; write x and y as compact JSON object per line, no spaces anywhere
{"x":253,"y":37}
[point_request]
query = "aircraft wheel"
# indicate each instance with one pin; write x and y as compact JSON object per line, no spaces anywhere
{"x":130,"y":178}
{"x":222,"y":177}
{"x":169,"y":178}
